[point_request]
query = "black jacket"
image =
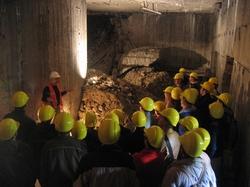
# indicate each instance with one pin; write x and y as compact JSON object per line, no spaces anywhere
{"x":136,"y":140}
{"x":60,"y":161}
{"x":202,"y":112}
{"x":27,"y":125}
{"x":43,"y":133}
{"x":109,"y":166}
{"x":92,"y":140}
{"x":16,"y":163}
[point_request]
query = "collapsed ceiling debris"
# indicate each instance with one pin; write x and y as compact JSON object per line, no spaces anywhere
{"x":102,"y":93}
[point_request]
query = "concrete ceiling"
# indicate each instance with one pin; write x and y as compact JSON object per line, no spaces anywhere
{"x":158,"y":5}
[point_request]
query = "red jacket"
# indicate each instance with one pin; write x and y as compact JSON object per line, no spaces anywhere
{"x":149,"y":167}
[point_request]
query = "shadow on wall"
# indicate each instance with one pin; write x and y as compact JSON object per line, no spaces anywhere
{"x":172,"y":58}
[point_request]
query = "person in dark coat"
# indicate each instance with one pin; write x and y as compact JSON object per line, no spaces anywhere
{"x":44,"y":132}
{"x":194,"y":81}
{"x":61,"y":156}
{"x":16,"y":159}
{"x":202,"y":104}
{"x":136,"y":140}
{"x":91,"y":139}
{"x":109,"y":165}
{"x":27,"y":125}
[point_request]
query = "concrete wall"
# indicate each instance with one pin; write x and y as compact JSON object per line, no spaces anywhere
{"x":232,"y":40}
{"x":133,"y":33}
{"x":37,"y":37}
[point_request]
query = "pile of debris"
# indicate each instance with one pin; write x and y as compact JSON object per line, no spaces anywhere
{"x":150,"y":80}
{"x":102,"y":93}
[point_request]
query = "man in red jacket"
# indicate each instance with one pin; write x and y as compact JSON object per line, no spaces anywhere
{"x":149,"y":162}
{"x":52,"y":94}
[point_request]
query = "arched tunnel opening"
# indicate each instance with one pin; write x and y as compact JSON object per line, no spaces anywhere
{"x":74,"y":58}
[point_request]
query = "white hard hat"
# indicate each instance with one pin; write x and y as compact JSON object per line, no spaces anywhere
{"x":54,"y":75}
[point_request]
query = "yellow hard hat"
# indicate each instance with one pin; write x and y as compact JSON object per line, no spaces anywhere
{"x":168,"y":89}
{"x":120,"y":113}
{"x":182,"y":70}
{"x":208,"y":86}
{"x":79,"y":131}
{"x":90,"y":119}
{"x":20,"y":99}
{"x":113,"y":116}
{"x":205,"y":136}
{"x":8,"y":128}
{"x":109,"y":131}
{"x":179,"y":76}
{"x":192,"y":144}
{"x":139,"y":119}
{"x":159,"y":106}
{"x":226,"y":98}
{"x":194,"y":75}
{"x":190,"y":95}
{"x":213,"y":80}
{"x":147,"y":104}
{"x":189,"y":122}
{"x":155,"y":136}
{"x":216,"y":110}
{"x":46,"y":113}
{"x":176,"y":93}
{"x":171,"y":115}
{"x":64,"y":122}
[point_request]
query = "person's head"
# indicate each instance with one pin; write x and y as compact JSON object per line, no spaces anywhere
{"x":64,"y":122}
{"x":20,"y":99}
{"x":182,"y":70}
{"x":90,"y":119}
{"x":158,"y":107}
{"x":193,"y":77}
{"x":139,"y":119}
{"x":147,"y":104}
{"x":214,"y":81}
{"x":176,"y":93}
{"x":189,"y":97}
{"x":185,"y":104}
{"x":54,"y":77}
{"x":167,"y":93}
{"x":168,"y":118}
{"x":112,"y":116}
{"x":225,"y":98}
{"x":188,"y":123}
{"x":121,"y":114}
{"x":8,"y":129}
{"x":205,"y":137}
{"x":46,"y":113}
{"x":109,"y":132}
{"x":206,"y":88}
{"x":79,"y":131}
{"x":216,"y":110}
{"x":154,"y":137}
{"x":178,"y":78}
{"x":191,"y":145}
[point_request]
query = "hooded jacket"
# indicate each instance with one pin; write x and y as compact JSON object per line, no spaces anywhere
{"x":189,"y":172}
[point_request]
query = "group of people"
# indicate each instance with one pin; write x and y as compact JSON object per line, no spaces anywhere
{"x":178,"y":141}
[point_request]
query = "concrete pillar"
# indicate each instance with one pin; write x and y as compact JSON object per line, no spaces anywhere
{"x":48,"y":35}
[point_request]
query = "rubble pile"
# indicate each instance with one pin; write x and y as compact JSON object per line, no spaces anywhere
{"x":102,"y":93}
{"x":152,"y":81}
